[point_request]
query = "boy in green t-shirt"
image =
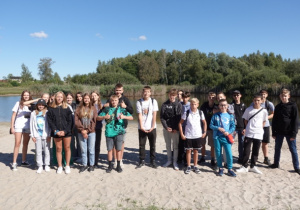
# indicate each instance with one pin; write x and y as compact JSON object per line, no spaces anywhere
{"x":114,"y":116}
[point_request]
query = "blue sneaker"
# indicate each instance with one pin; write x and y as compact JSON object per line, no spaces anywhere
{"x":231,"y":173}
{"x":221,"y":172}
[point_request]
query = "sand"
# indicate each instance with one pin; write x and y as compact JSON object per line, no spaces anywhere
{"x":145,"y":188}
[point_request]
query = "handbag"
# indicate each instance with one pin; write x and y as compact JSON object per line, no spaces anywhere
{"x":229,"y":137}
{"x":14,"y":121}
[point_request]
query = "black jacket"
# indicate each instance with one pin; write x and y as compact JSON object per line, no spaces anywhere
{"x":285,"y":119}
{"x":170,"y":114}
{"x":60,"y":119}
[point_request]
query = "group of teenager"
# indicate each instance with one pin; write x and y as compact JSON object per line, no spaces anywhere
{"x":76,"y":129}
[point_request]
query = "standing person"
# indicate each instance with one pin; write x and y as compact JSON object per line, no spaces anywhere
{"x":207,"y":109}
{"x":185,"y":106}
{"x":114,"y":116}
{"x":60,"y":121}
{"x":170,"y":116}
{"x":239,"y":109}
{"x":193,"y":133}
{"x":96,"y":101}
{"x":269,"y":106}
{"x":255,"y":118}
{"x":70,"y":101}
{"x":125,"y":104}
{"x":222,"y":123}
{"x":46,"y":97}
{"x":285,"y":125}
{"x":85,"y":122}
{"x":40,"y":133}
{"x":77,"y":154}
{"x":79,"y":97}
{"x":20,"y":127}
{"x":147,"y":108}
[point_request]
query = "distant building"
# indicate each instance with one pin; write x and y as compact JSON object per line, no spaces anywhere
{"x":17,"y":79}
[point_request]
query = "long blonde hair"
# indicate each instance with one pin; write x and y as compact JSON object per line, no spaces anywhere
{"x":64,"y":102}
{"x":82,"y":107}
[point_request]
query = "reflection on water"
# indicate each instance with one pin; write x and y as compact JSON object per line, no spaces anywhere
{"x":7,"y":103}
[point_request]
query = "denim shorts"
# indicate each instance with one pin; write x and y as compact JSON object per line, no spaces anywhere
{"x":116,"y":141}
{"x":22,"y":130}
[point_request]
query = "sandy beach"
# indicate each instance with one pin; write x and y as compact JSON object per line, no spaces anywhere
{"x":145,"y":188}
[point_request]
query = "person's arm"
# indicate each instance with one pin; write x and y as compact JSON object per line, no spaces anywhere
{"x":12,"y":122}
{"x":51,"y":120}
{"x":128,"y":105}
{"x":93,"y":120}
{"x":78,"y":123}
{"x":294,"y":122}
{"x":162,"y":119}
{"x":204,"y":128}
{"x":26,"y":103}
{"x":181,"y":130}
{"x":32,"y":124}
{"x":231,"y":125}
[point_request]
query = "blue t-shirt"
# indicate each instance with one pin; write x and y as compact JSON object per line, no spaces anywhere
{"x":40,"y":121}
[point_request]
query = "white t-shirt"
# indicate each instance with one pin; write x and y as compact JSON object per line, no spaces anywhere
{"x":21,"y":121}
{"x":193,"y":128}
{"x":254,"y":128}
{"x":147,"y":110}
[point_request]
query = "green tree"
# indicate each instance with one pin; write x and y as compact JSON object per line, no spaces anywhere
{"x":148,"y":70}
{"x":26,"y":75}
{"x":45,"y":70}
{"x":56,"y":79}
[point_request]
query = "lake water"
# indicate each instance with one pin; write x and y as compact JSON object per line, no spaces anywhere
{"x":7,"y":103}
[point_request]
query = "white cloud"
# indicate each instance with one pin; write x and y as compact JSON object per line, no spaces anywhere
{"x":40,"y":34}
{"x":99,"y":36}
{"x":140,"y":38}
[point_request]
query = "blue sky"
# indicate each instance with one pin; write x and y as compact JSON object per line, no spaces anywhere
{"x":76,"y":34}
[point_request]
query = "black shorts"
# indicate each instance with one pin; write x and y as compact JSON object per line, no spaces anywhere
{"x":192,"y":144}
{"x":266,"y":137}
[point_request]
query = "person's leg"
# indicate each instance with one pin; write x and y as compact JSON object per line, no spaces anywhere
{"x":218,"y":151}
{"x":255,"y":152}
{"x":195,"y":157}
{"x":91,"y":148}
{"x":47,"y":152}
{"x":265,"y":142}
{"x":293,"y":149}
{"x":240,"y":145}
{"x":175,"y":138}
{"x":227,"y":150}
{"x":188,"y":156}
{"x":278,"y":145}
{"x":38,"y":151}
{"x":119,"y":144}
{"x":246,"y":152}
{"x":180,"y":150}
{"x":97,"y":145}
{"x":26,"y":139}
{"x":83,"y":148}
{"x":167,"y":137}
{"x":142,"y":144}
{"x":18,"y":137}
{"x":67,"y":142}
{"x":152,"y":142}
{"x":58,"y":143}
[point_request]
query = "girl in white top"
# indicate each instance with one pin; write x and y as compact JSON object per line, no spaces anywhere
{"x":40,"y":133}
{"x":20,"y":126}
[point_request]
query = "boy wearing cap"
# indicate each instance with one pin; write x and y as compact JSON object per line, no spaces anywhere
{"x":239,"y":109}
{"x":285,"y":124}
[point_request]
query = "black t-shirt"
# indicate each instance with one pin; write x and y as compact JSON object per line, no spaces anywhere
{"x":239,"y":110}
{"x":208,"y":112}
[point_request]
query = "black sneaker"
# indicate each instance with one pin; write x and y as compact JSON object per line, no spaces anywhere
{"x":141,"y":164}
{"x":225,"y":165}
{"x":153,"y":164}
{"x":273,"y":166}
{"x":297,"y":171}
{"x":119,"y":169}
{"x":109,"y":169}
{"x":91,"y":168}
{"x":25,"y":163}
{"x":83,"y":169}
{"x":267,"y":161}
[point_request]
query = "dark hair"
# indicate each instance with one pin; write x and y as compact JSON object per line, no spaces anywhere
{"x":70,"y":94}
{"x":257,"y":95}
{"x":147,"y":87}
{"x":22,"y":98}
{"x":263,"y":91}
{"x":222,"y":100}
{"x":173,"y":91}
{"x":186,"y":94}
{"x":119,"y":85}
{"x":78,"y":93}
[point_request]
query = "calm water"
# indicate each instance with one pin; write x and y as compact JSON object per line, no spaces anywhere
{"x":7,"y":103}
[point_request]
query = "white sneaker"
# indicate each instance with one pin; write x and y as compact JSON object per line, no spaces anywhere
{"x":67,"y":170}
{"x":47,"y":168}
{"x":255,"y":170}
{"x":116,"y":163}
{"x":242,"y":170}
{"x":40,"y":169}
{"x":121,"y":164}
{"x":167,"y":164}
{"x":175,"y":165}
{"x":14,"y":166}
{"x":59,"y":170}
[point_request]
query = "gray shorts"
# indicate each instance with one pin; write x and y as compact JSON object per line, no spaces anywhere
{"x":116,"y":141}
{"x":210,"y":137}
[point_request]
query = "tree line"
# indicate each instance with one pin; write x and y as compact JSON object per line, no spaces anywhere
{"x":211,"y":71}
